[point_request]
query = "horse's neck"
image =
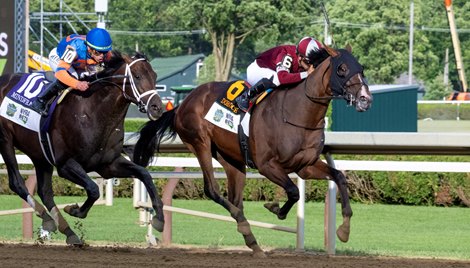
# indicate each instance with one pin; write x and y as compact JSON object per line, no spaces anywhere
{"x":299,"y":110}
{"x":107,"y":101}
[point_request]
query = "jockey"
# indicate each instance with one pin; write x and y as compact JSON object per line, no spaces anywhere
{"x":75,"y":56}
{"x":281,"y":65}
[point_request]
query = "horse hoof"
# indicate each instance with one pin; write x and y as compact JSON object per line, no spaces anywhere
{"x":343,"y":233}
{"x":258,"y":253}
{"x":71,"y":209}
{"x":74,"y":241}
{"x":273,"y":207}
{"x":244,"y":228}
{"x":74,"y":210}
{"x":49,"y":225}
{"x":157,"y":224}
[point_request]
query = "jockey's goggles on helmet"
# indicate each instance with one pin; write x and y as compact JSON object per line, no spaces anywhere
{"x":97,"y":53}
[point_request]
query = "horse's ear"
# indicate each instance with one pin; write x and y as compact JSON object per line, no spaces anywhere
{"x":331,"y":51}
{"x":348,"y":48}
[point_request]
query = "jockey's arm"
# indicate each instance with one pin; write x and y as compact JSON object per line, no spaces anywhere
{"x":62,"y":73}
{"x":283,"y":71}
{"x":63,"y":76}
{"x":285,"y":77}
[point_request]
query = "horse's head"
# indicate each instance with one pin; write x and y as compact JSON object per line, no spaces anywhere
{"x":138,"y":82}
{"x":347,"y":79}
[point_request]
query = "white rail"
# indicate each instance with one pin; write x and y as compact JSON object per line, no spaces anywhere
{"x":339,"y":143}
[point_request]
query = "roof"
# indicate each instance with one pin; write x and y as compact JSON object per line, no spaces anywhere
{"x":166,"y":67}
{"x":391,"y":88}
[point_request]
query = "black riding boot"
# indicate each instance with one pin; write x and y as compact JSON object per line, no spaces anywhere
{"x":39,"y":105}
{"x":244,"y":99}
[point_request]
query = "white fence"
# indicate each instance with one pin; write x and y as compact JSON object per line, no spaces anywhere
{"x":335,"y":143}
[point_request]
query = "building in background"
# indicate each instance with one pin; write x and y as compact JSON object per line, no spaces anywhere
{"x":173,"y":72}
{"x":394,"y":109}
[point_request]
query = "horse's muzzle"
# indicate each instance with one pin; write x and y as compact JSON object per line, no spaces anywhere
{"x":364,"y":101}
{"x":155,"y":108}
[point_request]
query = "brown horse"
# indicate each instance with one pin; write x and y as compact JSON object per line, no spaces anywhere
{"x":86,"y":134}
{"x":286,"y":134}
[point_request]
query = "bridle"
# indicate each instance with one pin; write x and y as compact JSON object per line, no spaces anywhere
{"x":137,"y":96}
{"x":337,"y":83}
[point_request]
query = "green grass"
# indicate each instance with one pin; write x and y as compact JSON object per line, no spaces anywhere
{"x":389,"y":230}
{"x":443,"y":126}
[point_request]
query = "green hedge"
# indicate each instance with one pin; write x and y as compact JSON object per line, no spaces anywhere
{"x":409,"y":188}
{"x":443,"y":111}
{"x":134,"y":124}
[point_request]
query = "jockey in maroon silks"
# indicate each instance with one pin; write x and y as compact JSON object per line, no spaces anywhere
{"x":281,"y":65}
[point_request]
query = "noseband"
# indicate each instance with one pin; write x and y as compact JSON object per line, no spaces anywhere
{"x":338,"y":83}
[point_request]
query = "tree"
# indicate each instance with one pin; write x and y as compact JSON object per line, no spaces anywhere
{"x":436,"y":90}
{"x":230,"y":22}
{"x":378,"y":32}
{"x":146,"y":28}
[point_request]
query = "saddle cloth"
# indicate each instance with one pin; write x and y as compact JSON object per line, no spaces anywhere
{"x":224,"y":112}
{"x":16,"y":104}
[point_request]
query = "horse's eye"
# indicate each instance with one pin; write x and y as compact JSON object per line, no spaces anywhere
{"x":342,"y":70}
{"x":137,"y":76}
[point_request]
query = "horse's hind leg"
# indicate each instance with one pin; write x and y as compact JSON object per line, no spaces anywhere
{"x":17,"y":185}
{"x":321,"y":170}
{"x":234,"y":205}
{"x":44,"y":178}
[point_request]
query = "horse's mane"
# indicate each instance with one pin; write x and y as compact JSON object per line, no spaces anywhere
{"x":115,"y":62}
{"x":317,"y":57}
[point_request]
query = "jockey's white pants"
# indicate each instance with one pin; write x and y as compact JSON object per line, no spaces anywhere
{"x":254,"y":73}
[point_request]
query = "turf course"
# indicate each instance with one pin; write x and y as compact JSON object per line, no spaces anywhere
{"x":389,"y":230}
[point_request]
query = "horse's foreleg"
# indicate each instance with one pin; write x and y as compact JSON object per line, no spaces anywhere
{"x":124,"y":168}
{"x":274,"y":173}
{"x":158,"y":220}
{"x":75,"y":173}
{"x":320,"y":170}
{"x":344,"y":229}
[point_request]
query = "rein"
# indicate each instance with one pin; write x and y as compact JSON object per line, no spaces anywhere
{"x":318,"y":99}
{"x":137,"y":97}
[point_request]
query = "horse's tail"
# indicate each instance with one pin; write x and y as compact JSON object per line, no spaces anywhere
{"x":152,"y":134}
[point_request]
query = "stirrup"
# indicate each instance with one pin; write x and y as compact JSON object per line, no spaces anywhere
{"x":39,"y":107}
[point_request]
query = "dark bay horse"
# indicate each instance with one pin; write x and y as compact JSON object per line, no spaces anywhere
{"x":86,"y":134}
{"x":286,"y":134}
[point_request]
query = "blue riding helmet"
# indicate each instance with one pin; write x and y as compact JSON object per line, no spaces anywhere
{"x":99,"y":39}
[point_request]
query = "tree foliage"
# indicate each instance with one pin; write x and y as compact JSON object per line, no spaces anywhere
{"x":230,"y":22}
{"x":235,"y":31}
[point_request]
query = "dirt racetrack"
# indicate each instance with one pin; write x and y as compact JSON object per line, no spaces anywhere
{"x":27,"y":255}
